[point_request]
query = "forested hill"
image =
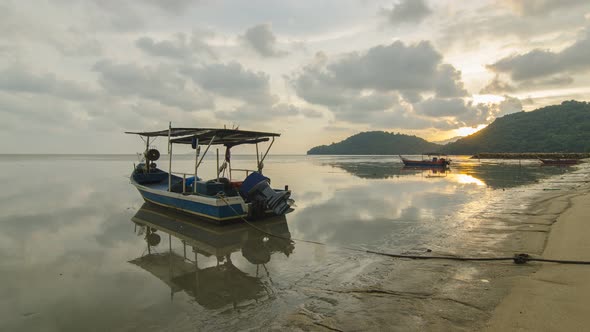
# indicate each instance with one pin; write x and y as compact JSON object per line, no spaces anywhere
{"x":377,"y":142}
{"x":557,"y":128}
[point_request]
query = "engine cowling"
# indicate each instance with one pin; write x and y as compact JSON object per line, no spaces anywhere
{"x":256,"y":188}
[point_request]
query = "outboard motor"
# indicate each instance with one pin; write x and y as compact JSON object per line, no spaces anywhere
{"x":256,"y":187}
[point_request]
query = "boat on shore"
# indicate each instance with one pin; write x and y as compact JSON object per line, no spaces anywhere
{"x":559,"y":161}
{"x":224,"y":198}
{"x":433,"y":160}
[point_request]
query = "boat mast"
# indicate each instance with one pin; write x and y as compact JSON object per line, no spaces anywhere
{"x":169,"y":157}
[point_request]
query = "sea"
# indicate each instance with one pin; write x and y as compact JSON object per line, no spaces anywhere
{"x":77,"y":252}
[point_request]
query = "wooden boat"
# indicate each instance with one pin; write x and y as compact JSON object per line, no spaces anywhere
{"x":559,"y":161}
{"x":220,"y":199}
{"x":434,"y":160}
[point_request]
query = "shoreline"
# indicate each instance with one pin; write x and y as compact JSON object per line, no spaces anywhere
{"x":555,"y":296}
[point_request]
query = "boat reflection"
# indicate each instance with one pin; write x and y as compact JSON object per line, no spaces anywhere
{"x":427,"y":172}
{"x":213,"y":286}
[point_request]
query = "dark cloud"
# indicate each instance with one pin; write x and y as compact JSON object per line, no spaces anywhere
{"x":259,"y":113}
{"x":507,"y":106}
{"x":232,"y":80}
{"x":160,"y":84}
{"x":448,"y":82}
{"x":18,"y":79}
{"x":262,"y":40}
{"x":434,"y":107}
{"x":407,"y":11}
{"x":497,"y":86}
{"x":542,"y":63}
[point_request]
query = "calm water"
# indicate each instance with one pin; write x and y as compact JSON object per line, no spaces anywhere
{"x":71,"y":258}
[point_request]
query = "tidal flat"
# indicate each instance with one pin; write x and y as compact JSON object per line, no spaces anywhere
{"x":73,"y":258}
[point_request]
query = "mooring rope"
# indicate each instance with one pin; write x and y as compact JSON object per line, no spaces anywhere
{"x":521,"y":258}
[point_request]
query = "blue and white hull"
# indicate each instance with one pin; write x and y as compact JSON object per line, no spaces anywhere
{"x":213,"y":208}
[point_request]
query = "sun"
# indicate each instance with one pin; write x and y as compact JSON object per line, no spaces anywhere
{"x":466,"y":131}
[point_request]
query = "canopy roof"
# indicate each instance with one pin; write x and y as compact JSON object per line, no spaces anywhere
{"x":228,"y":137}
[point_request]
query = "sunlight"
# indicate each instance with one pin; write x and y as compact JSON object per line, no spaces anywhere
{"x":468,"y":179}
{"x":487,"y":99}
{"x":466,"y":131}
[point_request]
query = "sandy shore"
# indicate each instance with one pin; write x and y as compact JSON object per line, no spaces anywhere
{"x":556,"y":297}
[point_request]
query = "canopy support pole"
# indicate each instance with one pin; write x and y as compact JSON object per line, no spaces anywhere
{"x":170,"y":156}
{"x":147,"y":161}
{"x":257,"y":159}
{"x":217,"y":152}
{"x":207,"y":149}
{"x":196,"y":164}
{"x":263,"y":157}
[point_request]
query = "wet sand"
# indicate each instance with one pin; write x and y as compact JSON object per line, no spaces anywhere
{"x":406,"y":295}
{"x":557,"y":296}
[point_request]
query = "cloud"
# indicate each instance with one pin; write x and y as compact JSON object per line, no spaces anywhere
{"x":18,"y":79}
{"x":407,"y":11}
{"x":434,"y":107}
{"x":258,"y":113}
{"x":498,"y":86}
{"x":177,"y":48}
{"x":261,"y":39}
{"x":232,"y":80}
{"x":496,"y":23}
{"x":542,"y":63}
{"x":540,"y":7}
{"x":160,"y":84}
{"x":379,"y":86}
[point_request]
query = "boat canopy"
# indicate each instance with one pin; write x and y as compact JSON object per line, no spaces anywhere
{"x":206,"y":136}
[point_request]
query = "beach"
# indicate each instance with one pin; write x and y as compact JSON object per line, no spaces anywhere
{"x":557,"y":296}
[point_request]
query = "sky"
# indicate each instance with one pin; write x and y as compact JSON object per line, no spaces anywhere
{"x":74,"y":75}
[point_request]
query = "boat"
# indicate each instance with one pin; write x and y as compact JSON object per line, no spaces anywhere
{"x":434,"y":160}
{"x":196,"y":257}
{"x":559,"y":161}
{"x":225,"y":198}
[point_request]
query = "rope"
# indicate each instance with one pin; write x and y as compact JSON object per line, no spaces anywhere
{"x":521,"y":258}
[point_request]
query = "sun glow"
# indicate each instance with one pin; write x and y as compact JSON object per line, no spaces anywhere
{"x":466,"y":131}
{"x":468,"y":179}
{"x":487,"y":99}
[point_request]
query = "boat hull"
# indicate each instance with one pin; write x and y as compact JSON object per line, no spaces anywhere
{"x":215,"y":209}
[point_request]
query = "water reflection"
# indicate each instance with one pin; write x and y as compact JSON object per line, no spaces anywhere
{"x":211,"y":286}
{"x":494,"y":174}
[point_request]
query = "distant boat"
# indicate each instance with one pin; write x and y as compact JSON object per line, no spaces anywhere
{"x":434,"y":160}
{"x":220,"y":199}
{"x":559,"y":161}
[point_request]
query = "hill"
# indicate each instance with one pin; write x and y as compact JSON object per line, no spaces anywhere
{"x":557,"y":128}
{"x":377,"y":142}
